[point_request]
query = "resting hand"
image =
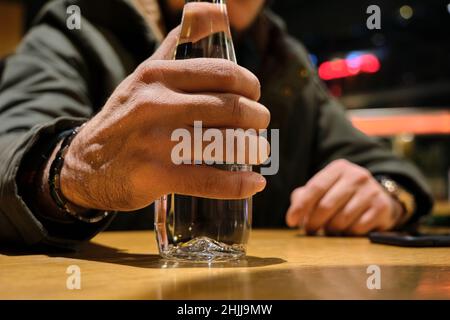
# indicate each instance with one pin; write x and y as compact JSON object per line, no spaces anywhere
{"x":343,"y":199}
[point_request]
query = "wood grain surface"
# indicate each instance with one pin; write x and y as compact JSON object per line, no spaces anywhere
{"x":281,"y":265}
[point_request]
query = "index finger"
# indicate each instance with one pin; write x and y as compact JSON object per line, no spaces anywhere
{"x":306,"y":198}
{"x":203,"y":75}
{"x":166,"y":50}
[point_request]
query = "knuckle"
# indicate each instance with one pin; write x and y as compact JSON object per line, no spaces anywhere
{"x":140,"y":99}
{"x":151,"y":71}
{"x":316,"y":187}
{"x":361,"y":174}
{"x":340,"y":163}
{"x":145,"y":106}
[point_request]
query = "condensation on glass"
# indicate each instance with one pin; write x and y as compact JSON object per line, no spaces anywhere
{"x":192,"y":228}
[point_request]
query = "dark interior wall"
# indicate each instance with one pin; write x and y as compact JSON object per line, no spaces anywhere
{"x":415,"y":53}
{"x":342,"y":19}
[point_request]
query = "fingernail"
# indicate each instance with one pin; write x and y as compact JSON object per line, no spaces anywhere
{"x":290,"y":219}
{"x":261,"y":183}
{"x":289,"y":223}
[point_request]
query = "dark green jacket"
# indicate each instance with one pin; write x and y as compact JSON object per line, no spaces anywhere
{"x":59,"y":78}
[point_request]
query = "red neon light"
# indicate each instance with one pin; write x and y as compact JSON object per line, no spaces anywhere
{"x":343,"y":68}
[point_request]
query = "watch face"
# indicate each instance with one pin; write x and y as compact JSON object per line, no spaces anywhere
{"x":390,"y":186}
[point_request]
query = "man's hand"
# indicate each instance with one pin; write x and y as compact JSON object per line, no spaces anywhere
{"x":343,"y":199}
{"x":121,"y":159}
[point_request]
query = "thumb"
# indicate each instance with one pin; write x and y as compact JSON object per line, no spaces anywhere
{"x":167,"y":48}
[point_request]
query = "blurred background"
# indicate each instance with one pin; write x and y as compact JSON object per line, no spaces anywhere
{"x":395,"y":81}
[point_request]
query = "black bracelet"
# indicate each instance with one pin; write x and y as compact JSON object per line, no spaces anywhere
{"x":90,"y":216}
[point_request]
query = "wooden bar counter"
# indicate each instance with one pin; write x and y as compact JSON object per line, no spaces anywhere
{"x":281,"y":265}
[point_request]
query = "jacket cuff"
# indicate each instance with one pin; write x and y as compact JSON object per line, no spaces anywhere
{"x":24,"y":155}
{"x":414,"y":184}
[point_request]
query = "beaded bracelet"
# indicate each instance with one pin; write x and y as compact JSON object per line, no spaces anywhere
{"x":54,"y":181}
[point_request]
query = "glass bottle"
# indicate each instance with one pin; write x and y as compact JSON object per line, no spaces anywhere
{"x":192,"y":228}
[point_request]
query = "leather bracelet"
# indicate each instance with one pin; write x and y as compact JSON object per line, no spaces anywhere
{"x":54,"y":182}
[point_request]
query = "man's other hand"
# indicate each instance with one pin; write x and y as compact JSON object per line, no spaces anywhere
{"x":343,"y":199}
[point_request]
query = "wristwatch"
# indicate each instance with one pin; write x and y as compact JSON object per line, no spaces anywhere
{"x":405,"y":198}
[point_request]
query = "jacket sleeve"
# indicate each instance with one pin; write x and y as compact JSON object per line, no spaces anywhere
{"x":43,"y":91}
{"x":336,"y":138}
{"x":340,"y":140}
